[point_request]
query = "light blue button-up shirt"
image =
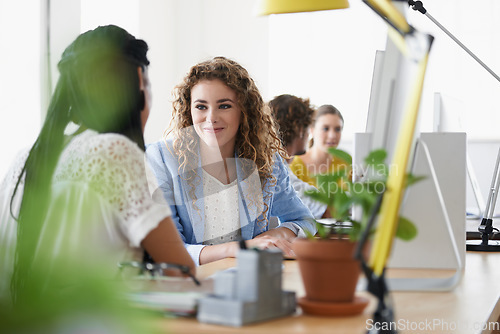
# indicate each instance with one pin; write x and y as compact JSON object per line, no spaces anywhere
{"x":186,"y":200}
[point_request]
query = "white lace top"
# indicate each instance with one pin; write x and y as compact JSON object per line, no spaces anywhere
{"x":114,"y":166}
{"x":100,"y":199}
{"x":222,"y":218}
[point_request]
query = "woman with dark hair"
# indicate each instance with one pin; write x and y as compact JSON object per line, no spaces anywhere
{"x":82,"y":189}
{"x":221,"y":166}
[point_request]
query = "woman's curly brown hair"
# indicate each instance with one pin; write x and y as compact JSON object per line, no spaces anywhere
{"x":293,"y":115}
{"x":256,"y":140}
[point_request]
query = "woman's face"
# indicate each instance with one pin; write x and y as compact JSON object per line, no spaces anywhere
{"x":216,"y":114}
{"x":327,"y":131}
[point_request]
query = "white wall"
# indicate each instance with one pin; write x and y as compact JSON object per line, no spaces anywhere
{"x":326,"y":56}
{"x":179,"y":33}
{"x":452,"y":72}
{"x":193,"y":31}
{"x":329,"y":57}
{"x":19,"y":87}
{"x":483,"y":156}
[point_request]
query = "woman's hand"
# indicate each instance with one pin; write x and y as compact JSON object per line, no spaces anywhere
{"x":280,"y":237}
{"x":268,"y":242}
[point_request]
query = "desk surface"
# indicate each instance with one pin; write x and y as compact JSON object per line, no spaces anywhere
{"x":466,"y":309}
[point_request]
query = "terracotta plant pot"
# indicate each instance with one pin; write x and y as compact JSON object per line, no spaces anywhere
{"x":328,"y":268}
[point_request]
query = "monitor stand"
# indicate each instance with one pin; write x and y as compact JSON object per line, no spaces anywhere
{"x":486,"y":229}
{"x":436,"y":205}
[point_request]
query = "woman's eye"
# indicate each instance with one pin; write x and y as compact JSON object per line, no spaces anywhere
{"x":338,"y":129}
{"x":325,"y":129}
{"x":224,"y":106}
{"x":200,"y":107}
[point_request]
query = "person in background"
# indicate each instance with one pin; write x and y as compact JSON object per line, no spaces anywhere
{"x":78,"y":200}
{"x":326,"y":132}
{"x":221,"y":166}
{"x":294,"y":115}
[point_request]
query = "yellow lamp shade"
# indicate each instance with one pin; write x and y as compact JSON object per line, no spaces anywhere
{"x":267,"y":7}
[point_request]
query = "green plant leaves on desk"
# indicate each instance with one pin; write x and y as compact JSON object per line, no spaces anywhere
{"x":412,"y":179}
{"x":337,"y":190}
{"x":406,"y":229}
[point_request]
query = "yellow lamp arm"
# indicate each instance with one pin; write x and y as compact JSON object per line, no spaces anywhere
{"x":391,"y":14}
{"x":389,"y":211}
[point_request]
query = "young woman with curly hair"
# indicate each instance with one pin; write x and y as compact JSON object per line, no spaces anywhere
{"x":221,"y":167}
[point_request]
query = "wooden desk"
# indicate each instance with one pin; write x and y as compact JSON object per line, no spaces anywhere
{"x":472,"y":303}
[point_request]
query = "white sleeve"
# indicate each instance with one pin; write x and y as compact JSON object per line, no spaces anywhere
{"x":114,"y":167}
{"x":295,"y":228}
{"x":194,"y":251}
{"x":138,"y":212}
{"x":316,"y":208}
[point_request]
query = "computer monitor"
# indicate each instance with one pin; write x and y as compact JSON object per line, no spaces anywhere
{"x":438,"y":212}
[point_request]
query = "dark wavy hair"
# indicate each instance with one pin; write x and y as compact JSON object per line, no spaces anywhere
{"x":98,"y":89}
{"x":293,"y":115}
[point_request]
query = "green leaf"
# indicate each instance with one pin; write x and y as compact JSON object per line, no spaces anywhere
{"x":406,"y":229}
{"x":376,"y":187}
{"x":309,"y":235}
{"x":355,"y":232}
{"x":323,"y":232}
{"x":365,"y":195}
{"x":329,"y":183}
{"x":342,"y":205}
{"x":376,"y":157}
{"x":343,"y":155}
{"x":366,"y":204}
{"x":380,"y":170}
{"x":412,"y":179}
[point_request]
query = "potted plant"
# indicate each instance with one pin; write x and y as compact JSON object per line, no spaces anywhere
{"x":328,"y":268}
